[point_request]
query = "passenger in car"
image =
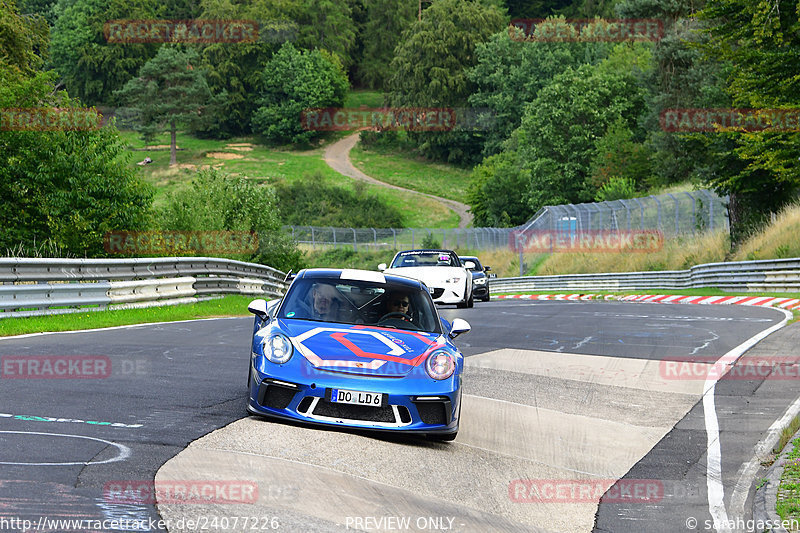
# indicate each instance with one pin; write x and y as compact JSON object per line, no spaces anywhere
{"x":326,"y":301}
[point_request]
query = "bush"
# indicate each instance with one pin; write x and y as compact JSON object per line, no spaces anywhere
{"x":314,"y":202}
{"x":293,"y":81}
{"x":217,"y":202}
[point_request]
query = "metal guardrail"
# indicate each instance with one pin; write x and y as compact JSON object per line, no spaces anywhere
{"x":30,"y":287}
{"x":773,"y":275}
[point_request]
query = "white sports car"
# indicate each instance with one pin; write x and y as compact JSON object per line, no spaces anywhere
{"x":448,"y":279}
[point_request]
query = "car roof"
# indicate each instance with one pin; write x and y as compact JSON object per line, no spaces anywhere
{"x":432,"y":250}
{"x":355,"y":275}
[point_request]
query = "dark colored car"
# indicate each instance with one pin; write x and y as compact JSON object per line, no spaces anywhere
{"x":480,"y":280}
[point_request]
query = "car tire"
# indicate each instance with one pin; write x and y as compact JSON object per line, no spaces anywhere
{"x":471,"y":301}
{"x":486,"y":298}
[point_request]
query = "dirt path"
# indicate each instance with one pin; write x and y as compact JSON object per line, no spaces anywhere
{"x":337,"y":156}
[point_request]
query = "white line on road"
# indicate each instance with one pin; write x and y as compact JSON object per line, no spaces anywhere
{"x":716,"y":493}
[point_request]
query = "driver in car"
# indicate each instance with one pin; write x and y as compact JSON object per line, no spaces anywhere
{"x":399,"y":304}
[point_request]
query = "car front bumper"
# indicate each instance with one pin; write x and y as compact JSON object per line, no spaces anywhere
{"x":433,"y":406}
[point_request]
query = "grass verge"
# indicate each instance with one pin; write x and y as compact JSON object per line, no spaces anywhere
{"x":788,"y":504}
{"x":231,"y":305}
{"x":411,"y":173}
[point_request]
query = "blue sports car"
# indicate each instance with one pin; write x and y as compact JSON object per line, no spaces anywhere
{"x":355,"y":348}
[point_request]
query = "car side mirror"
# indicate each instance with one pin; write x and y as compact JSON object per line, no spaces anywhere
{"x":469,"y":264}
{"x":459,"y":326}
{"x":258,"y":308}
{"x":382,"y":267}
{"x":487,"y":269}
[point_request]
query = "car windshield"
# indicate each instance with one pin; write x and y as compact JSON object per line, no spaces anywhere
{"x":477,"y":267}
{"x":425,"y":258}
{"x":369,"y":303}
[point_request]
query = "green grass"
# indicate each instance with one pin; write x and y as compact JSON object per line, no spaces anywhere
{"x":266,"y":165}
{"x":419,"y":175}
{"x":366,"y":98}
{"x":788,"y":502}
{"x":232,"y":305}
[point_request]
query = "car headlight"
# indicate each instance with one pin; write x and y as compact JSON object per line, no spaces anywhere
{"x":479,"y":281}
{"x":453,"y":280}
{"x":440,"y":365}
{"x":278,"y":348}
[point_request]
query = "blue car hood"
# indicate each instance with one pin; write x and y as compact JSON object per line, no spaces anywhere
{"x":357,"y":349}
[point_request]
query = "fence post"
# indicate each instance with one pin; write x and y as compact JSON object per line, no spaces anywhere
{"x":355,"y":240}
{"x":710,"y":209}
{"x":375,"y":237}
{"x":394,"y":237}
{"x":658,"y":207}
{"x":412,"y":238}
{"x":694,"y":209}
{"x":334,"y":236}
{"x":677,"y":208}
{"x":641,"y":213}
{"x":313,"y":243}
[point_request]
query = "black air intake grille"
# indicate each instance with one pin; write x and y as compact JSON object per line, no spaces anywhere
{"x":354,"y":412}
{"x":278,"y":397}
{"x":432,"y":413}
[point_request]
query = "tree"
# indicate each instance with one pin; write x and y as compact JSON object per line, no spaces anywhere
{"x":91,"y":67}
{"x":431,"y":65}
{"x":292,"y":81}
{"x":760,"y":41}
{"x":383,"y":30}
{"x":328,"y":25}
{"x":23,"y":40}
{"x":236,"y":68}
{"x":510,"y":73}
{"x":496,"y":192}
{"x":169,"y":91}
{"x":43,"y":8}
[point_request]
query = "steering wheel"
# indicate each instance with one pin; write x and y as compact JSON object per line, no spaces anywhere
{"x":396,"y":317}
{"x":395,"y":314}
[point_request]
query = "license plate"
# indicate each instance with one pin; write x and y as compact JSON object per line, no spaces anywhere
{"x":355,"y":397}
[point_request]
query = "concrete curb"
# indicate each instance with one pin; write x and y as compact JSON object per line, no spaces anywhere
{"x":761,"y":301}
{"x":766,"y":497}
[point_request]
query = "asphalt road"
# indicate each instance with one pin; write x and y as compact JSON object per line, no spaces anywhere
{"x":160,"y":387}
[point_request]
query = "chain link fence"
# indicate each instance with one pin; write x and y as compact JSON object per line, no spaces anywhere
{"x":671,"y":213}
